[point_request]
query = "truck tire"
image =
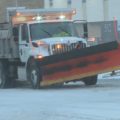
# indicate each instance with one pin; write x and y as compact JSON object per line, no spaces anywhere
{"x":34,"y":74}
{"x":90,"y":80}
{"x":13,"y":75}
{"x":4,"y":72}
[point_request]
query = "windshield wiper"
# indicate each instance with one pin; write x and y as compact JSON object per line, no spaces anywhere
{"x":65,"y":31}
{"x":46,"y":32}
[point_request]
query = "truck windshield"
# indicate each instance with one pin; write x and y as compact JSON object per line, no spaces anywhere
{"x":56,"y":29}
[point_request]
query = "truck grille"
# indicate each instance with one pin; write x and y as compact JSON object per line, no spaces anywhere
{"x":62,"y":48}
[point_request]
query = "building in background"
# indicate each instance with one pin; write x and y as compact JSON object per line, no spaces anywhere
{"x":13,"y":3}
{"x":98,"y":13}
{"x":55,"y":4}
{"x":90,"y":10}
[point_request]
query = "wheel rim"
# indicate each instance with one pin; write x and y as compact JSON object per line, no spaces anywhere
{"x":34,"y":77}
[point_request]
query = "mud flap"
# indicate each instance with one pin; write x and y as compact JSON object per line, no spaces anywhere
{"x":81,"y":63}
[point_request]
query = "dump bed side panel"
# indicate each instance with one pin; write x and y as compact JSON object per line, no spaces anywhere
{"x":8,"y":47}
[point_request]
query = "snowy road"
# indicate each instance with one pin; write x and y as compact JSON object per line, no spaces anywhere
{"x":73,"y":102}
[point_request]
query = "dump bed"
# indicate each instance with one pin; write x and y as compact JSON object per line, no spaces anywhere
{"x":8,"y":47}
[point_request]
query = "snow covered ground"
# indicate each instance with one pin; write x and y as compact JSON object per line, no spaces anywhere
{"x":71,"y":102}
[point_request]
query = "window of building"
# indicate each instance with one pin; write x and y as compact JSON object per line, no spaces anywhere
{"x":105,"y":9}
{"x":84,"y":9}
{"x":83,"y":1}
{"x":51,"y":3}
{"x":69,"y":2}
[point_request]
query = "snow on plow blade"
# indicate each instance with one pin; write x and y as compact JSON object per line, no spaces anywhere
{"x":81,"y":63}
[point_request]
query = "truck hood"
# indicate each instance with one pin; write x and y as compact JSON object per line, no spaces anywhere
{"x":65,"y":40}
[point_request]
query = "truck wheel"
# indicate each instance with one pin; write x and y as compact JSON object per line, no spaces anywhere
{"x":90,"y":80}
{"x":34,"y":74}
{"x":4,"y":79}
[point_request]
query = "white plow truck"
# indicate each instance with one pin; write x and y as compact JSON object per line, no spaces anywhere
{"x":31,"y":36}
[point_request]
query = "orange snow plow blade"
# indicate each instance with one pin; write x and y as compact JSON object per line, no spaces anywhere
{"x":82,"y":63}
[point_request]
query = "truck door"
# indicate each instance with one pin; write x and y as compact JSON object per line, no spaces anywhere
{"x":24,"y":45}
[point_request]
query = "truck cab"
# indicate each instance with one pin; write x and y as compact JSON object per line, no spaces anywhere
{"x":45,"y":38}
{"x":42,"y":36}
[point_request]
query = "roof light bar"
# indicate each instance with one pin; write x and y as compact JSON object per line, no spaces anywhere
{"x":25,"y":15}
{"x":28,"y":12}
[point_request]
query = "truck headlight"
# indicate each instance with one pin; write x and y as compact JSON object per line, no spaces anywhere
{"x":38,"y":57}
{"x":58,"y":46}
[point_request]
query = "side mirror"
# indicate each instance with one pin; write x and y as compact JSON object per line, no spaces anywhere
{"x":15,"y":34}
{"x":34,"y":44}
{"x":15,"y":31}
